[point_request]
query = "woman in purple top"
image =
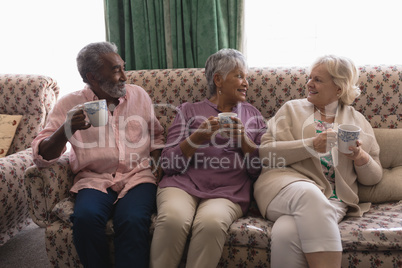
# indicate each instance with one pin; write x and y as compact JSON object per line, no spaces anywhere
{"x":209,"y":168}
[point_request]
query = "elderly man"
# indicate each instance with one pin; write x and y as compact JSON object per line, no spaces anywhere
{"x":114,"y":177}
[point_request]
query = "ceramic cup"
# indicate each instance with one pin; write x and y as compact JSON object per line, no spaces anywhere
{"x":347,"y":136}
{"x":96,"y":112}
{"x":224,"y":118}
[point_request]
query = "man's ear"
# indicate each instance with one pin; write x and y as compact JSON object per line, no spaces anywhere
{"x":92,"y":78}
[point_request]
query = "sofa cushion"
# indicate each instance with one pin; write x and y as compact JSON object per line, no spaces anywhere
{"x":390,"y":146}
{"x":250,"y":231}
{"x":8,"y":126}
{"x":387,"y":190}
{"x":390,"y":187}
{"x":379,"y":229}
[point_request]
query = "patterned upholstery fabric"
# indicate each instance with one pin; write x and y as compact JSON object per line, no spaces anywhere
{"x":371,"y":241}
{"x":32,"y":96}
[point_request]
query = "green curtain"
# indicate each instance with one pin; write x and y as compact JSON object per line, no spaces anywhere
{"x":136,"y":27}
{"x":202,"y":27}
{"x":153,"y":34}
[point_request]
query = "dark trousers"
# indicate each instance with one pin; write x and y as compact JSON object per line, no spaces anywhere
{"x":131,"y":221}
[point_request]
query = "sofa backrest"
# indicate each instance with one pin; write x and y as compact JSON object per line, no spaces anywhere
{"x":380,"y":100}
{"x":32,"y":96}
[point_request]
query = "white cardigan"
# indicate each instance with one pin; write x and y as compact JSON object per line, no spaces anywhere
{"x":287,"y":155}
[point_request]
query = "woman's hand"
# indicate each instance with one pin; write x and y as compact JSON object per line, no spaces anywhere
{"x":205,"y":131}
{"x":358,"y":155}
{"x":236,"y":132}
{"x":324,"y":141}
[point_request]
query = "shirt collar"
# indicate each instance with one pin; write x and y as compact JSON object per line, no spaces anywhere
{"x":90,"y":95}
{"x":215,"y":106}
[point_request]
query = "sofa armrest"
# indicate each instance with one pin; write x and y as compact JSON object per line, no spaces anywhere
{"x":46,"y":187}
{"x":13,"y":201}
{"x":32,"y":96}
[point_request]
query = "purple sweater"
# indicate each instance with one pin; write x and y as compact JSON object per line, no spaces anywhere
{"x":218,"y":169}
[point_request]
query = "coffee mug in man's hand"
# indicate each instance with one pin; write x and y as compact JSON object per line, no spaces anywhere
{"x":96,"y":112}
{"x":347,"y":136}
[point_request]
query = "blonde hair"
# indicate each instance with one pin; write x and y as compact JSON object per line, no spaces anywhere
{"x":344,"y":74}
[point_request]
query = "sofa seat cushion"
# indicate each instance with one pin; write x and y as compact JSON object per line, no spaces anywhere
{"x":379,"y":230}
{"x":250,"y":232}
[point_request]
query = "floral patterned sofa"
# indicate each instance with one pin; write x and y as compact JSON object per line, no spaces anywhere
{"x":374,"y":240}
{"x":31,"y":96}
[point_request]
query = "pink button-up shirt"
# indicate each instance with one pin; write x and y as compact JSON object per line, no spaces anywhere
{"x":116,"y":155}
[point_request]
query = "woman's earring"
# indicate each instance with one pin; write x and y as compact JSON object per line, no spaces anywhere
{"x":220,"y":92}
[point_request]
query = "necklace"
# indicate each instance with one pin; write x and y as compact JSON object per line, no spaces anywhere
{"x":324,"y":114}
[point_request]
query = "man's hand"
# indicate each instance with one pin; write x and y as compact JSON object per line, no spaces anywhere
{"x":75,"y":121}
{"x":51,"y":147}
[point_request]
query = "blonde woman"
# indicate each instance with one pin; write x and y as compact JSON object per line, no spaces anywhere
{"x":317,"y":186}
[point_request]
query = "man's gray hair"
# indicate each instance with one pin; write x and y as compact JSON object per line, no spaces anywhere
{"x":223,"y":62}
{"x":89,"y":58}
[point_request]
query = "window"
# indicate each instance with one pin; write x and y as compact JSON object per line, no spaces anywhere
{"x":295,"y":33}
{"x":44,"y":37}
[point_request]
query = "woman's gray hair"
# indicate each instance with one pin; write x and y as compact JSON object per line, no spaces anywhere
{"x":222,"y":62}
{"x":89,"y":58}
{"x":344,"y":74}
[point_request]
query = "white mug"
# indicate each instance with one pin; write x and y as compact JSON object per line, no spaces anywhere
{"x":96,"y":112}
{"x":347,"y":136}
{"x":225,"y":118}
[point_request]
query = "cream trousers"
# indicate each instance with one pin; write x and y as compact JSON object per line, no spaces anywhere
{"x":180,"y":214}
{"x":305,"y":222}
